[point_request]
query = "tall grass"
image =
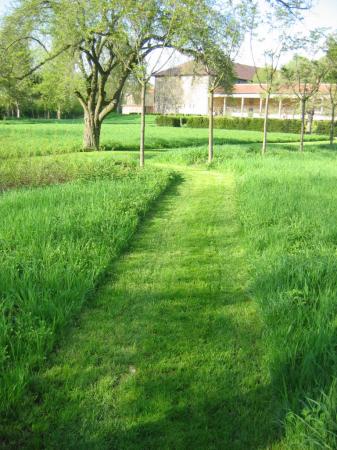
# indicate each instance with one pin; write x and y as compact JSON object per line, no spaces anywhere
{"x":58,"y":169}
{"x":37,"y":138}
{"x":55,"y":243}
{"x":287,"y":208}
{"x":289,"y":216}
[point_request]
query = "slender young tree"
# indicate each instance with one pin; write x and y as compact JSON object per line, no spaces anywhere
{"x":145,"y":66}
{"x":330,"y":77}
{"x":219,"y":67}
{"x":215,"y":52}
{"x":303,"y":77}
{"x":268,"y":79}
{"x":270,"y":28}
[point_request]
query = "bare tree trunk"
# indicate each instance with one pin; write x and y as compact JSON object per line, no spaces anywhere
{"x":211,"y":127}
{"x":92,"y":132}
{"x":332,"y":124}
{"x":142,"y":126}
{"x":265,"y":125}
{"x":303,"y":105}
{"x":18,"y":112}
{"x":59,"y":113}
{"x":310,"y":120}
{"x":48,"y":114}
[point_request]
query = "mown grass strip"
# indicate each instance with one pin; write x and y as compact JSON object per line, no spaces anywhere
{"x":170,"y":355}
{"x":55,"y":243}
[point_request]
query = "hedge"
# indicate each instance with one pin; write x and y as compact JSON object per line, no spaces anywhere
{"x":242,"y":123}
{"x":323,"y":127}
{"x":171,"y":121}
{"x":246,"y":123}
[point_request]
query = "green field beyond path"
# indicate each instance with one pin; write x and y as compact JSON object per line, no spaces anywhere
{"x":170,"y":353}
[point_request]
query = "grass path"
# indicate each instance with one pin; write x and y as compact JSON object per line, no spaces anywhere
{"x":170,"y":355}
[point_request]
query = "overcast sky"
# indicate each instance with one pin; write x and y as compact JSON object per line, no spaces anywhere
{"x":323,"y":14}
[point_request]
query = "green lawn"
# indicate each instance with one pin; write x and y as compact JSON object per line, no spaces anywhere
{"x":36,"y":138}
{"x":216,"y":329}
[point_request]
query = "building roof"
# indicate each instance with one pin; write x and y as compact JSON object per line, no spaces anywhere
{"x":256,"y":88}
{"x":243,"y":71}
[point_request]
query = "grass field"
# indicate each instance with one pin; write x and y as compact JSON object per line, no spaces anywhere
{"x":55,"y":244}
{"x":36,"y":138}
{"x":216,"y":329}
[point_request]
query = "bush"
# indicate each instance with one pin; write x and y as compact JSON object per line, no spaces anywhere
{"x":168,"y":121}
{"x":246,"y":123}
{"x":243,"y":123}
{"x":323,"y":127}
{"x":197,"y":122}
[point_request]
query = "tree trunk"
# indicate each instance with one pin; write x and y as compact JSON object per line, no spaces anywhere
{"x":59,"y":113}
{"x":265,"y":125}
{"x":310,"y":120}
{"x":48,"y":114}
{"x":142,"y":126}
{"x":303,"y":105}
{"x":92,"y":132}
{"x":211,"y":127}
{"x":332,"y":124}
{"x":18,"y":112}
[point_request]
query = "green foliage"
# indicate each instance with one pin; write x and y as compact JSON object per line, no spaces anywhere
{"x":55,"y":244}
{"x":323,"y":127}
{"x":169,"y":121}
{"x":197,"y":122}
{"x":246,"y":123}
{"x":303,"y":76}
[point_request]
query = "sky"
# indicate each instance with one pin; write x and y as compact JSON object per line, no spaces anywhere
{"x":323,"y":14}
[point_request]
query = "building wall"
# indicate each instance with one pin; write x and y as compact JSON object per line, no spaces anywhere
{"x":181,"y":95}
{"x":131,"y":103}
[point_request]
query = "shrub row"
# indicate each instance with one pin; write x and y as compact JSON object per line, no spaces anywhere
{"x":323,"y":127}
{"x":171,"y":121}
{"x":246,"y":123}
{"x":242,"y":123}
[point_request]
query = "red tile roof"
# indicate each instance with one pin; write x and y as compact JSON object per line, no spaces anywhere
{"x":243,"y":72}
{"x":255,"y":88}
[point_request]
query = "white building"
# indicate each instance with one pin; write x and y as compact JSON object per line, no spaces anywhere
{"x":184,"y":90}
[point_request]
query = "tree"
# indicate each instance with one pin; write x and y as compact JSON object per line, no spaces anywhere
{"x":16,"y":58}
{"x":215,"y":51}
{"x":273,"y":24}
{"x":293,"y":6}
{"x":303,"y":76}
{"x":219,"y":67}
{"x":142,"y":69}
{"x":98,"y":34}
{"x":330,"y":77}
{"x":58,"y":81}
